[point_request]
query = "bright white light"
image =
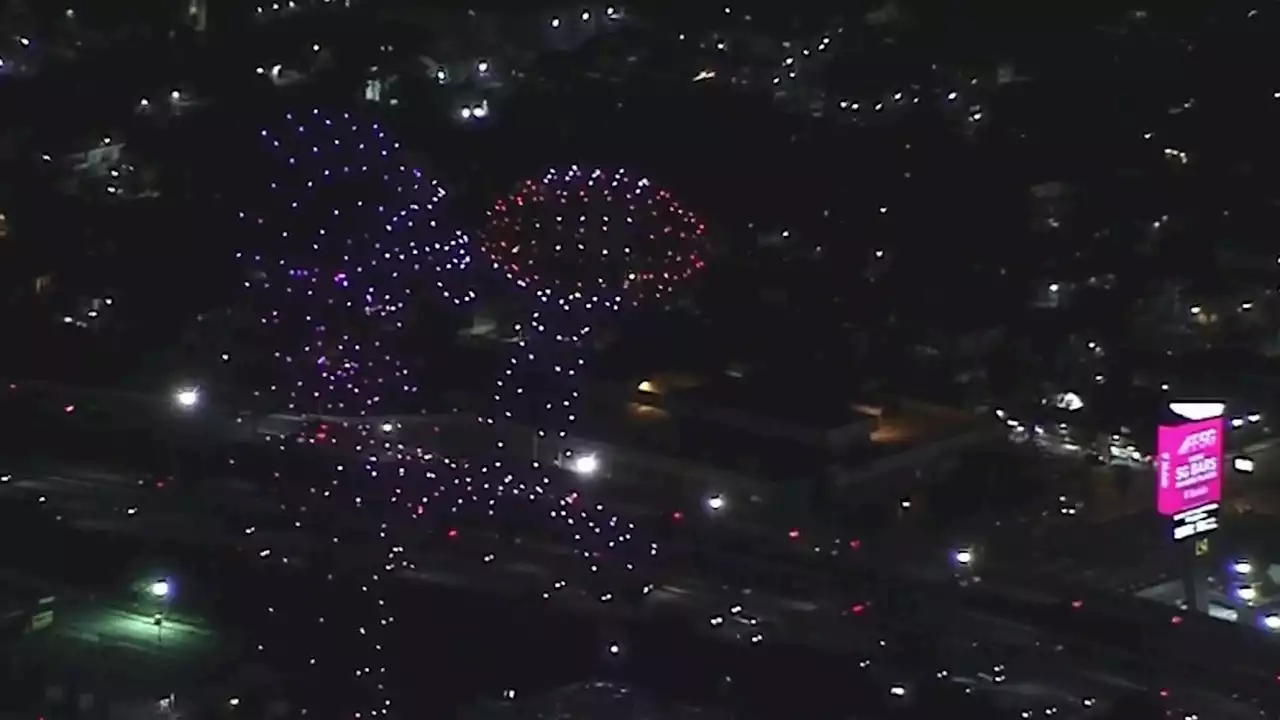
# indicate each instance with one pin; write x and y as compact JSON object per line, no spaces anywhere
{"x":715,"y":502}
{"x":1247,"y":593}
{"x":187,"y":398}
{"x":964,"y":556}
{"x":481,"y":110}
{"x":465,"y":113}
{"x":175,"y":95}
{"x":1271,"y":622}
{"x":1198,"y":410}
{"x":160,"y":589}
{"x":1242,"y":464}
{"x":388,"y":427}
{"x":585,"y":465}
{"x":483,"y":66}
{"x":586,"y":16}
{"x":1069,"y":401}
{"x":555,"y":22}
{"x":1242,"y":567}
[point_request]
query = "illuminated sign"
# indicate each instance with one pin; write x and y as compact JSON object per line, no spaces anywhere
{"x":1196,"y":521}
{"x":1198,"y":410}
{"x":1189,"y":465}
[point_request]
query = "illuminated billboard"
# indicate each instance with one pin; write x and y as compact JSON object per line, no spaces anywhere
{"x":1189,"y":461}
{"x":1196,"y":521}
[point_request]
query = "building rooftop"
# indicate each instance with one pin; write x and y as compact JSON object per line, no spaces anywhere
{"x":647,"y":428}
{"x":792,"y":400}
{"x":667,"y":433}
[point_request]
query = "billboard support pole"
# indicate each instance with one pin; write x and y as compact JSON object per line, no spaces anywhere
{"x":1193,"y":575}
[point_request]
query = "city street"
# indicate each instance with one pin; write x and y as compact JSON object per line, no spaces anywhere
{"x":1110,"y":540}
{"x":824,"y":622}
{"x":796,"y":599}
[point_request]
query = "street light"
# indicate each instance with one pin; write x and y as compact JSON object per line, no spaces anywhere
{"x":964,"y":557}
{"x":1242,"y":567}
{"x":715,"y":503}
{"x":585,"y":465}
{"x":1247,"y":593}
{"x":187,"y":398}
{"x":160,"y":589}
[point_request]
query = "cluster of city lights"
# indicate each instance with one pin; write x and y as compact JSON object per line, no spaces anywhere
{"x":343,"y":232}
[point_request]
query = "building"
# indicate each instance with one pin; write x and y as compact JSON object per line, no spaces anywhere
{"x":776,"y":447}
{"x":104,"y":169}
{"x":23,"y":610}
{"x":98,"y":159}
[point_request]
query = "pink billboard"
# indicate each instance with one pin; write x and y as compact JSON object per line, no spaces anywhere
{"x":1188,"y":465}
